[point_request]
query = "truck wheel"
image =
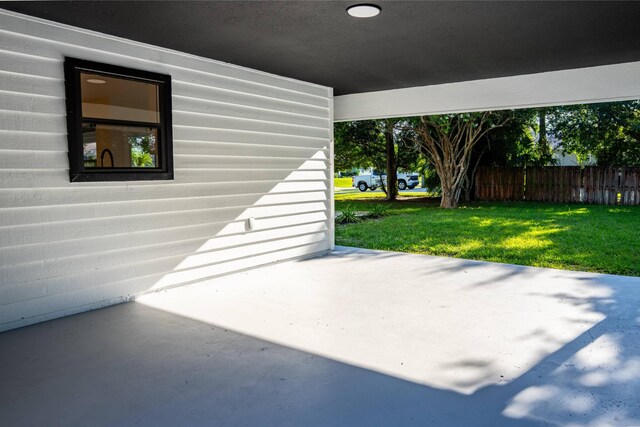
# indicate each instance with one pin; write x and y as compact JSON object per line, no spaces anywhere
{"x":362,"y":186}
{"x":402,"y":184}
{"x":374,"y":188}
{"x":412,"y":187}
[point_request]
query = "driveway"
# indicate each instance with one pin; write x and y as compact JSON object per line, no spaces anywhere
{"x":355,"y":338}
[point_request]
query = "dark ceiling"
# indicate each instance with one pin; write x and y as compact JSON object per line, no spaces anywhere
{"x":411,"y":43}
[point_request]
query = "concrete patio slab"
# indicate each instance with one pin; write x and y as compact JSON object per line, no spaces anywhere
{"x":355,"y":338}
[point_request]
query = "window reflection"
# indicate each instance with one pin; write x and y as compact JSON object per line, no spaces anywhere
{"x":111,"y":146}
{"x":116,"y":98}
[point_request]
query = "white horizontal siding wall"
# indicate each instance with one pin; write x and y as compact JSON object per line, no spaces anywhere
{"x":246,"y":145}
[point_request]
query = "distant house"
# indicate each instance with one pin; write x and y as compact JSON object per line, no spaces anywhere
{"x":562,"y":158}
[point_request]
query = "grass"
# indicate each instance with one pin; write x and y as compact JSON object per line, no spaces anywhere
{"x":602,"y":239}
{"x":342,"y":182}
{"x":377,"y":195}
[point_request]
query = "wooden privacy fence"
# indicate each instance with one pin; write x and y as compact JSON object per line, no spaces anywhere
{"x":560,"y":184}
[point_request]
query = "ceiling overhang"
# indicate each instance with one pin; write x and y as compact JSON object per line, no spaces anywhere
{"x":409,"y":44}
{"x":606,"y":83}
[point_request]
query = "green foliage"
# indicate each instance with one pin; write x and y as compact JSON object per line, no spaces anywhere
{"x":141,"y":159}
{"x":407,"y":154}
{"x":447,"y":123}
{"x":610,"y":131}
{"x":358,"y":144}
{"x":379,"y":196}
{"x":448,"y":141}
{"x":141,"y":149}
{"x":378,"y":211}
{"x":348,"y":215}
{"x":515,"y":143}
{"x":574,"y":237}
{"x":431,"y":180}
{"x":361,"y":144}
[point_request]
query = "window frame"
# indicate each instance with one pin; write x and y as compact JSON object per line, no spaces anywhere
{"x":73,"y":67}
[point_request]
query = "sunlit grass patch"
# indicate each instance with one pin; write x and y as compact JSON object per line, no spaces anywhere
{"x":577,"y":211}
{"x":526,"y":241}
{"x":483,"y":222}
{"x":586,"y":238}
{"x":377,"y":195}
{"x":342,"y":182}
{"x":620,"y":210}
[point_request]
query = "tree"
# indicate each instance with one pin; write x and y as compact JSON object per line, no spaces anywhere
{"x":381,"y":144}
{"x":518,"y":142}
{"x":448,"y":141}
{"x":513,"y":144}
{"x":609,"y":131}
{"x":389,"y":126}
{"x":545,"y":152}
{"x":358,"y":144}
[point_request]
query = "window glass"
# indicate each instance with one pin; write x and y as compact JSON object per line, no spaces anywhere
{"x":117,"y":98}
{"x":118,"y":122}
{"x":113,"y":146}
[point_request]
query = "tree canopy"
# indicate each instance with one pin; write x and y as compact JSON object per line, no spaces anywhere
{"x":456,"y":144}
{"x":361,"y":144}
{"x":609,"y":131}
{"x":516,"y":143}
{"x":358,"y":144}
{"x":381,"y":144}
{"x":448,"y":142}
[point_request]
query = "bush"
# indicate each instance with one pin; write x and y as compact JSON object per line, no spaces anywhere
{"x":379,"y":211}
{"x":431,"y":181}
{"x":348,"y":216}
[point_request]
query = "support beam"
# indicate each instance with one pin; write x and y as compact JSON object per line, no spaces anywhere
{"x":617,"y":82}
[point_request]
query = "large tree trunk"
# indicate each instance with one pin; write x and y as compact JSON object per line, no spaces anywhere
{"x":392,"y":166}
{"x":448,"y":200}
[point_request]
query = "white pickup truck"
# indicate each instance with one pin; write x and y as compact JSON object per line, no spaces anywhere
{"x":373,"y":181}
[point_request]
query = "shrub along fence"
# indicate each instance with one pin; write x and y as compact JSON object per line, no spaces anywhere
{"x":560,"y":184}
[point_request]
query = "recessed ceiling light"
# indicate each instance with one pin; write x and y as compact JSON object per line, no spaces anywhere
{"x":96,"y":81}
{"x":363,"y":10}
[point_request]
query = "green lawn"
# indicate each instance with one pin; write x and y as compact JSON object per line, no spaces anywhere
{"x":377,"y":195}
{"x":575,"y":237}
{"x":342,"y":182}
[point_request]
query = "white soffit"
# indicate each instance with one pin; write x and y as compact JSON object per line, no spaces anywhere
{"x":583,"y":85}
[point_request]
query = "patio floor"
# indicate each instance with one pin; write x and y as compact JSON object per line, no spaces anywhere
{"x":355,"y":338}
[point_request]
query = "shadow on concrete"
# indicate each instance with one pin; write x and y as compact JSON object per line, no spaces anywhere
{"x":132,"y":364}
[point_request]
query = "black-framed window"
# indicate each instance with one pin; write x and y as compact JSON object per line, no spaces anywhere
{"x":118,"y":122}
